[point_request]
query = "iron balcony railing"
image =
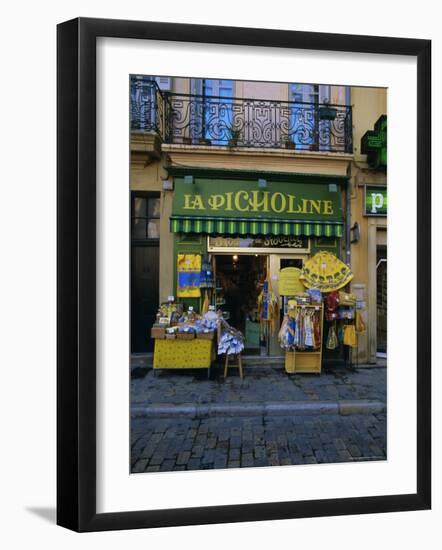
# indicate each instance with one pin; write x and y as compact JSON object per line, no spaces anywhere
{"x":239,"y":122}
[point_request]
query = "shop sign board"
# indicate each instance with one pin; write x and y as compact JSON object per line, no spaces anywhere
{"x":244,"y":199}
{"x":263,"y":243}
{"x":375,"y":200}
{"x":289,"y":283}
{"x":374,"y":144}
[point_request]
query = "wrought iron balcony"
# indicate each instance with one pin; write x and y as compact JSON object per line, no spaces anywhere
{"x":239,"y":122}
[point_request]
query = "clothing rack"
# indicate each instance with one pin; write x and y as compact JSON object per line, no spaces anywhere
{"x":307,"y":361}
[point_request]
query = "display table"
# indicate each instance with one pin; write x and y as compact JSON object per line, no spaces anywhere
{"x":197,"y":353}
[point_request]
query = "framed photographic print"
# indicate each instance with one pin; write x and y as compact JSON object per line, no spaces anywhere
{"x":235,"y":343}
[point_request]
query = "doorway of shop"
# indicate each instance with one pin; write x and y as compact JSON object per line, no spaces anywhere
{"x":145,"y":255}
{"x":381,"y":301}
{"x":239,"y":282}
{"x":144,"y":296}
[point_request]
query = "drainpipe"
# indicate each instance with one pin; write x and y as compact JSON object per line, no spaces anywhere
{"x":347,"y":224}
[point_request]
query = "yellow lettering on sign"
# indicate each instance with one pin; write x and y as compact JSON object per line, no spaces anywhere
{"x":259,"y":201}
{"x":282,"y":202}
{"x":328,"y":207}
{"x":238,"y":196}
{"x":229,"y":200}
{"x":315,"y":205}
{"x":187,"y":202}
{"x":304,"y":209}
{"x":216,"y":201}
{"x":198,"y":203}
{"x":257,"y":205}
{"x":193,"y":202}
{"x":291,"y":208}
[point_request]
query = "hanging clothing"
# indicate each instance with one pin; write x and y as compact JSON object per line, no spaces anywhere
{"x":331,"y":305}
{"x":309,"y":341}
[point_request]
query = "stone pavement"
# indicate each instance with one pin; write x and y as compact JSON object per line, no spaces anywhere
{"x":183,"y":421}
{"x":260,"y":384}
{"x":197,"y":444}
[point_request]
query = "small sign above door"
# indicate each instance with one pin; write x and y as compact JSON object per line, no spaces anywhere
{"x":264,"y":244}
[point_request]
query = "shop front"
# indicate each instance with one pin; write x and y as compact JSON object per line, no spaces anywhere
{"x":251,"y":235}
{"x":241,"y":266}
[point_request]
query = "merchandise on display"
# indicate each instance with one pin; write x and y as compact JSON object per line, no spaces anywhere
{"x":332,"y":338}
{"x":326,"y":272}
{"x":360,"y":325}
{"x":230,"y":340}
{"x":301,"y":327}
{"x":268,"y":308}
{"x":318,"y":298}
{"x":331,"y":305}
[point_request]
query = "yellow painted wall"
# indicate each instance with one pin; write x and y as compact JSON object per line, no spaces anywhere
{"x":149,"y":178}
{"x":368,"y":105}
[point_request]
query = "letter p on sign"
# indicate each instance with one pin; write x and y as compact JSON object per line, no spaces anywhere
{"x":377,"y":201}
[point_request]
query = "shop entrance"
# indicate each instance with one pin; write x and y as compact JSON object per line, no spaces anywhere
{"x":381,"y":300}
{"x":239,"y":282}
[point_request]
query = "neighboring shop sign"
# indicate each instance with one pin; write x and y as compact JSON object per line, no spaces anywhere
{"x":289,"y":283}
{"x":292,"y":243}
{"x":375,"y":201}
{"x":188,"y":275}
{"x":244,"y":199}
{"x":374,"y":144}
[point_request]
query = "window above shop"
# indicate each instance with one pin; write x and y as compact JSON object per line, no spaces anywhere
{"x":145,"y":217}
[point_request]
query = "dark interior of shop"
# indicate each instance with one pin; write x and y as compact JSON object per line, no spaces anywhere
{"x":239,"y":280}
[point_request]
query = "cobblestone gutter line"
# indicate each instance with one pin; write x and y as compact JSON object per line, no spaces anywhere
{"x":343,"y":407}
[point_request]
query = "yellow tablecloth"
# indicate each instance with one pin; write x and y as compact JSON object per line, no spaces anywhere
{"x":183,"y":354}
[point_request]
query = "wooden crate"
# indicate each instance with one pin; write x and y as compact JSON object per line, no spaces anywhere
{"x":205,"y":335}
{"x":157,"y":332}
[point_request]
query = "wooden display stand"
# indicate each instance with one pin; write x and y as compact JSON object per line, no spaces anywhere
{"x":306,"y":361}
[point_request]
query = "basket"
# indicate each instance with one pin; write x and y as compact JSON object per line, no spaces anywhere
{"x":186,"y":335}
{"x":157,"y":332}
{"x":206,"y":335}
{"x":170,"y":336}
{"x":290,"y":361}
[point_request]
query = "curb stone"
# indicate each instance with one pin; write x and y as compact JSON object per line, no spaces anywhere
{"x":258,"y":409}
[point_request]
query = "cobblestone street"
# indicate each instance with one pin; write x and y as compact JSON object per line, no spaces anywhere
{"x":183,"y":421}
{"x":195,"y":444}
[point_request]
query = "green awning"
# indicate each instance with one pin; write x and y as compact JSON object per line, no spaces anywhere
{"x":236,"y":226}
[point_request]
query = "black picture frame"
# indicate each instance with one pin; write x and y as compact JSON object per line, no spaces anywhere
{"x":76,"y":274}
